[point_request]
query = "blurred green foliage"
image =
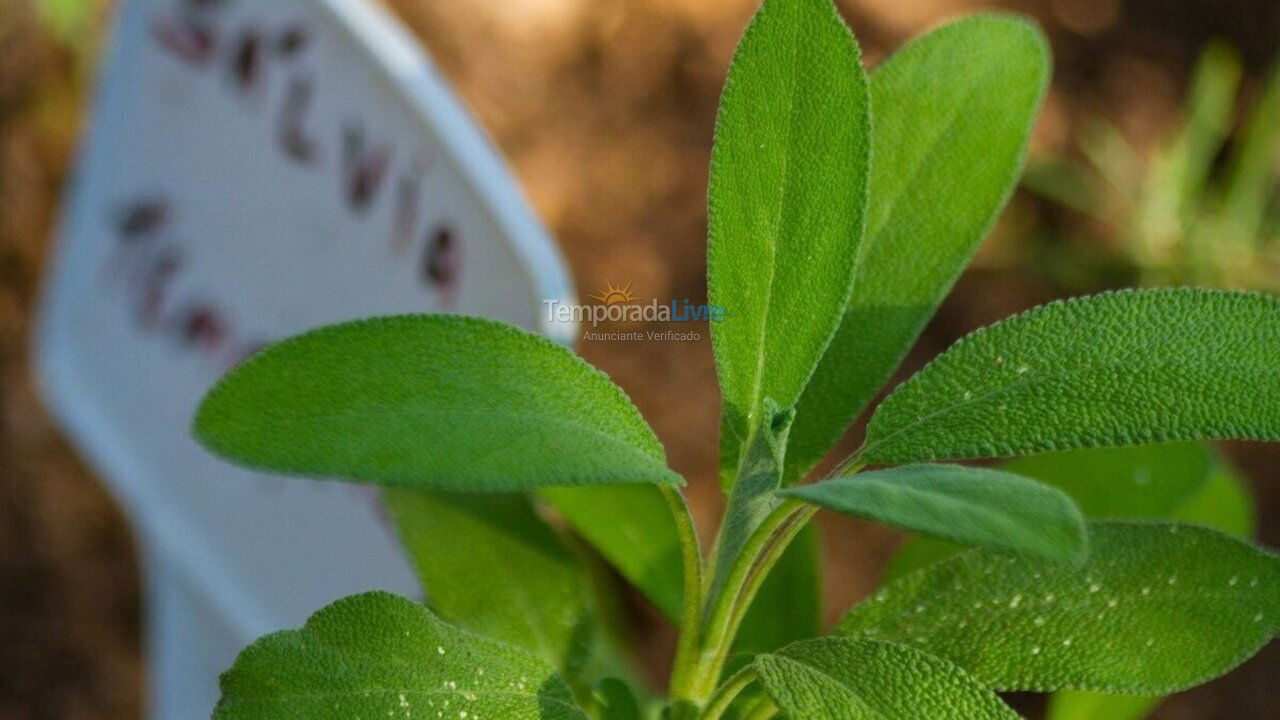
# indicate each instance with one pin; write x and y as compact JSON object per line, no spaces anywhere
{"x":1202,"y":208}
{"x":68,"y":20}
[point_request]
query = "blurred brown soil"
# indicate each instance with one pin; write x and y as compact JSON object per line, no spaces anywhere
{"x":605,"y":110}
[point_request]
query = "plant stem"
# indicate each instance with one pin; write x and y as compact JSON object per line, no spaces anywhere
{"x":691,"y":611}
{"x":762,"y":711}
{"x":758,"y":557}
{"x":727,"y":692}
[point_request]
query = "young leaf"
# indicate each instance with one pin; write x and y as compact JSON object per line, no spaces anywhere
{"x":953,"y":111}
{"x":490,"y":565}
{"x":787,"y":200}
{"x":971,"y":506}
{"x":632,"y":527}
{"x":1157,"y":608}
{"x":378,"y":655}
{"x":843,"y":679}
{"x":1121,"y":368}
{"x":430,"y":401}
{"x":754,"y":497}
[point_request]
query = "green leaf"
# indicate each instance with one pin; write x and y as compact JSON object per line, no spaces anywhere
{"x":490,"y":565}
{"x":616,"y":701}
{"x":971,"y":506}
{"x":953,"y":113}
{"x":632,"y":527}
{"x":1121,"y":368}
{"x":1127,"y":482}
{"x":917,"y":553}
{"x":1157,"y":608}
{"x":378,"y":655}
{"x":787,"y":202}
{"x":754,"y":497}
{"x":1223,"y":503}
{"x":788,"y":606}
{"x":1074,"y":705}
{"x":443,"y":402}
{"x":843,"y":679}
{"x":1183,"y":481}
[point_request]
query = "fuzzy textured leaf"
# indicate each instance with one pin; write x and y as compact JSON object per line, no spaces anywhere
{"x":1182,"y":481}
{"x":1157,"y":608}
{"x":430,"y":401}
{"x":971,"y":506}
{"x":953,"y":112}
{"x":787,"y":202}
{"x":844,"y":679}
{"x":754,"y":496}
{"x":1222,"y":502}
{"x":490,"y":565}
{"x":378,"y":655}
{"x":1121,"y":368}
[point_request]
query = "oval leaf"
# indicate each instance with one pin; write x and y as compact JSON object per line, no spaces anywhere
{"x":843,"y":679}
{"x":972,"y":506}
{"x":953,"y":113}
{"x":1157,"y":608}
{"x":1121,"y":368}
{"x":432,"y":401}
{"x":787,"y":200}
{"x":378,"y":655}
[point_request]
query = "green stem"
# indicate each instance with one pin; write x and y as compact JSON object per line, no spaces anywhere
{"x":727,"y":693}
{"x":763,"y":711}
{"x":691,"y":610}
{"x":757,"y":558}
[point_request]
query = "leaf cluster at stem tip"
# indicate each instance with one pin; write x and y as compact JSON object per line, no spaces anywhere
{"x":842,"y":207}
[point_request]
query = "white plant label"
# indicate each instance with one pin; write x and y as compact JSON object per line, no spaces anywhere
{"x":251,"y":170}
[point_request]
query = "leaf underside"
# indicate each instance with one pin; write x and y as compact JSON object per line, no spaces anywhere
{"x":971,"y":506}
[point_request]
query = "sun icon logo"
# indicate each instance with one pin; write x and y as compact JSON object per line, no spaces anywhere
{"x":614,"y":295}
